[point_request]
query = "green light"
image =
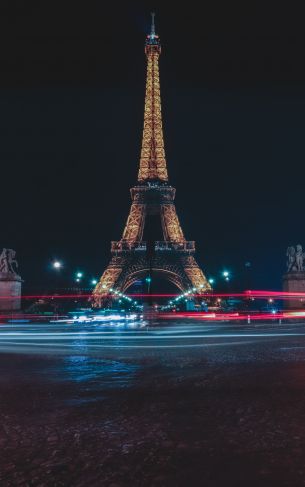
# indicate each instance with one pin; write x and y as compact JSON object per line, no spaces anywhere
{"x":148,"y":279}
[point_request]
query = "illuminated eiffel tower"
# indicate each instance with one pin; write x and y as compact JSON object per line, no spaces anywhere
{"x":140,"y":252}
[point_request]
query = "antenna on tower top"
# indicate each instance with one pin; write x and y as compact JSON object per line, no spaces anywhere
{"x":153,"y":30}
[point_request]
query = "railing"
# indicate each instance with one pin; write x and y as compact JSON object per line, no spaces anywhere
{"x":187,"y":245}
{"x":125,"y":246}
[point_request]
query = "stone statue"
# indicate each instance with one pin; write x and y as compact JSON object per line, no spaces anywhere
{"x":299,"y":257}
{"x":291,"y":258}
{"x":8,"y":261}
{"x":296,"y":258}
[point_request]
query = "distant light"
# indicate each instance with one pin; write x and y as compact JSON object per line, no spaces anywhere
{"x":57,"y":264}
{"x":94,"y":281}
{"x":79,"y":274}
{"x":211,"y":280}
{"x":225,"y":274}
{"x":104,"y":286}
{"x":273,"y":311}
{"x":227,"y":278}
{"x":78,"y":279}
{"x":148,"y":279}
{"x":270,"y":300}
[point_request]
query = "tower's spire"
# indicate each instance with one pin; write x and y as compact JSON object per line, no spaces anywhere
{"x":153,"y":30}
{"x":152,"y":162}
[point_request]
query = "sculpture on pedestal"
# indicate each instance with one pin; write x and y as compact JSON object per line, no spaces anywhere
{"x":294,"y":279}
{"x":10,"y":281}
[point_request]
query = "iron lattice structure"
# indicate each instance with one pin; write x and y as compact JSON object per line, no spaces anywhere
{"x":132,"y":257}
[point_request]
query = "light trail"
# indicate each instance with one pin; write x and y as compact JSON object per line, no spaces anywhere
{"x":118,"y":346}
{"x":61,"y":336}
{"x":86,"y":339}
{"x":245,"y":294}
{"x":206,"y":317}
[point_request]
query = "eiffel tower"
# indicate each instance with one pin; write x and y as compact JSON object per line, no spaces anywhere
{"x":134,"y":257}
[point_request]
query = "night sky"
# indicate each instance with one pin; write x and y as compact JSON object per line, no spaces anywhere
{"x":72,"y":91}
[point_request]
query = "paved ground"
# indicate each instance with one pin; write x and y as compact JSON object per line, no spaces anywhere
{"x":172,"y":404}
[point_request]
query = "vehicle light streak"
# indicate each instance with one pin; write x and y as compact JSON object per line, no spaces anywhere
{"x":139,"y":336}
{"x":245,"y":294}
{"x":233,"y":316}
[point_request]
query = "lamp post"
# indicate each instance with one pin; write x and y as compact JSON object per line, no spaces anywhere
{"x":227,"y":277}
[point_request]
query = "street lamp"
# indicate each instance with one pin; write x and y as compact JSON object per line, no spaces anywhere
{"x":79,"y":274}
{"x":211,"y":280}
{"x":57,"y":265}
{"x":225,"y":274}
{"x":94,"y":282}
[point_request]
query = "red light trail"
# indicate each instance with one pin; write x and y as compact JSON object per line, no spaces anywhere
{"x":246,"y":294}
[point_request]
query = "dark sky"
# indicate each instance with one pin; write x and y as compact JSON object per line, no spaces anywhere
{"x":71,"y":111}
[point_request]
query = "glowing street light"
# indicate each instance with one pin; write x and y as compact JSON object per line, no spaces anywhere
{"x":225,"y":274}
{"x":77,"y":279}
{"x":79,"y":274}
{"x":57,"y":265}
{"x":94,"y":282}
{"x":211,"y":280}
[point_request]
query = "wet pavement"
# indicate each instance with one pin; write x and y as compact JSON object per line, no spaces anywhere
{"x":152,"y":404}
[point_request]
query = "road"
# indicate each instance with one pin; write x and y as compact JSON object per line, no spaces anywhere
{"x":169,"y":403}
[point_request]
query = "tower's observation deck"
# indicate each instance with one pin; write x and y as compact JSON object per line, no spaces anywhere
{"x":141,"y":246}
